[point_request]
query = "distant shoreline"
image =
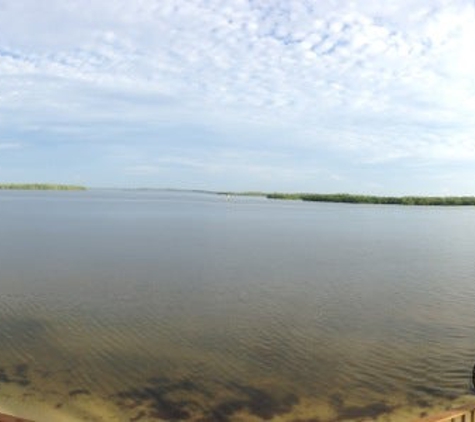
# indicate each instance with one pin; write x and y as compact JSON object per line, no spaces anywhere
{"x":39,"y":186}
{"x":344,"y":198}
{"x":364,"y":199}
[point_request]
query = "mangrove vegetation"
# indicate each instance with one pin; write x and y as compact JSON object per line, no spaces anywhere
{"x":370,"y":199}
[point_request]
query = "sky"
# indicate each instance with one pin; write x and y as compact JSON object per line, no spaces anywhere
{"x":373,"y":97}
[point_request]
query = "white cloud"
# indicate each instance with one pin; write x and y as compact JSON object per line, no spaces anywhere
{"x":387,"y":80}
{"x":6,"y":146}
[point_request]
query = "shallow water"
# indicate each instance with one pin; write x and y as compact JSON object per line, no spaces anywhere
{"x":146,"y":305}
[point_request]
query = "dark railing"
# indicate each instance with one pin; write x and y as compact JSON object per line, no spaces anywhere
{"x":460,"y":414}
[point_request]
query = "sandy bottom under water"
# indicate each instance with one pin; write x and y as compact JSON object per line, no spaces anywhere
{"x":53,"y":397}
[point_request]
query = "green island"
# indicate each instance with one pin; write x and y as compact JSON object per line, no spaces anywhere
{"x":363,"y":199}
{"x":39,"y":186}
{"x":370,"y":199}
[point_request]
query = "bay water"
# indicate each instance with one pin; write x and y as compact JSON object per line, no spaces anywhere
{"x":146,"y":305}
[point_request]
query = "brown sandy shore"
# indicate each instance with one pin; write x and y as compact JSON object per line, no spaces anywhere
{"x":44,"y":399}
{"x":61,"y":395}
{"x":300,"y":415}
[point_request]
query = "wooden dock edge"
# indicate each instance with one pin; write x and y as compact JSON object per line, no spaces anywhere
{"x":460,"y":414}
{"x":9,"y":418}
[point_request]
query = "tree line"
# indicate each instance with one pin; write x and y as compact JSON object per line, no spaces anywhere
{"x":370,"y":199}
{"x":39,"y":186}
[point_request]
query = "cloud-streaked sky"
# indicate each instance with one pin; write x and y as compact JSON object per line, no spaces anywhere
{"x":276,"y":95}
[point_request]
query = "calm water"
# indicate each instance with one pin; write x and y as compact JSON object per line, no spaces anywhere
{"x":145,"y":306}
